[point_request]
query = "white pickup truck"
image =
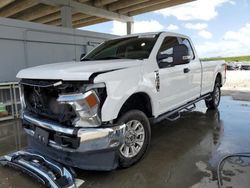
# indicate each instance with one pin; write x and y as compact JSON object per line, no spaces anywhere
{"x":96,"y":114}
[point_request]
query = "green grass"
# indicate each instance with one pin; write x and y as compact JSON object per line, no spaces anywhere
{"x":2,"y":108}
{"x":229,"y":59}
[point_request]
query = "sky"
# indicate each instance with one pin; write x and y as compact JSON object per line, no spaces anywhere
{"x":218,"y":28}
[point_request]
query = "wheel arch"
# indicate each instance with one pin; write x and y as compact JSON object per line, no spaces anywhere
{"x":218,"y":78}
{"x":137,"y":101}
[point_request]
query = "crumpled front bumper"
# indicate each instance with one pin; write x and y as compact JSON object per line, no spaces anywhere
{"x":85,"y":148}
{"x":46,"y":171}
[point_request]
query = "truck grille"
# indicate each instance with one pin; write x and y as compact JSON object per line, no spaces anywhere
{"x":40,"y":98}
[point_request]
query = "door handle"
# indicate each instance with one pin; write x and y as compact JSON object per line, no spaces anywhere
{"x":186,"y":70}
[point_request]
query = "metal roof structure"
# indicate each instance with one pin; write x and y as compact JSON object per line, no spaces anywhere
{"x":80,"y":13}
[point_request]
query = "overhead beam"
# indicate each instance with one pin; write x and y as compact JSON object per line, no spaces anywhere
{"x":40,"y":11}
{"x":140,"y":6}
{"x":99,"y":3}
{"x":79,"y":16}
{"x":48,"y":18}
{"x":4,"y":3}
{"x":88,"y":9}
{"x":77,"y":22}
{"x":83,"y":1}
{"x":158,"y":6}
{"x":56,"y":22}
{"x":84,"y":24}
{"x":75,"y":17}
{"x":123,"y":4}
{"x":17,"y":7}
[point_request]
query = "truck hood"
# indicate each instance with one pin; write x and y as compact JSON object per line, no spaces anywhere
{"x":75,"y":70}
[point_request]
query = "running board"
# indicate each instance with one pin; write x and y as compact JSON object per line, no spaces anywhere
{"x":175,"y":114}
{"x":173,"y":117}
{"x":46,"y":171}
{"x":190,"y":108}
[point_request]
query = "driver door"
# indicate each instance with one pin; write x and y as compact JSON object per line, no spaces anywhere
{"x":174,"y":82}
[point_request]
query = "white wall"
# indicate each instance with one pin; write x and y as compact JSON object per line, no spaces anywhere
{"x":26,"y":44}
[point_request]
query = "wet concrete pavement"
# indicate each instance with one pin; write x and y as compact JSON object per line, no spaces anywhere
{"x":184,"y":153}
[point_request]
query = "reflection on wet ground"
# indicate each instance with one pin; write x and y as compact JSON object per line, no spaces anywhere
{"x":235,"y":171}
{"x":11,"y":137}
{"x":184,"y":153}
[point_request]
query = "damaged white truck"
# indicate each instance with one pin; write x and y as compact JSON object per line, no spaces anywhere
{"x":96,"y":114}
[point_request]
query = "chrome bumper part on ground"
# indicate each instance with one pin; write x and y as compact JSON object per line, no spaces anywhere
{"x":46,"y":171}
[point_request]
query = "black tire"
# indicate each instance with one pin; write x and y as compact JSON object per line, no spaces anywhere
{"x":138,"y":116}
{"x":214,"y":101}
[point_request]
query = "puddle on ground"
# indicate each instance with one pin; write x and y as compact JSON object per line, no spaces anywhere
{"x":183,"y":153}
{"x":235,"y":172}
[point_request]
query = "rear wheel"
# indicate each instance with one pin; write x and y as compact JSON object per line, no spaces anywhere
{"x":137,"y":137}
{"x":214,"y":101}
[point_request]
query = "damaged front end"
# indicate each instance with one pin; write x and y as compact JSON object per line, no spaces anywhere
{"x":70,"y":103}
{"x":62,"y":120}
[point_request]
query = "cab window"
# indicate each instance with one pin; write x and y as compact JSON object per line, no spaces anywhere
{"x":166,"y":51}
{"x":187,"y":43}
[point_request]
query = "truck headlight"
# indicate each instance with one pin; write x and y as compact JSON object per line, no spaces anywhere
{"x":86,"y":107}
{"x":22,"y":101}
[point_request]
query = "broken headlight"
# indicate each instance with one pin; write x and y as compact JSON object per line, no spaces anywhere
{"x":22,"y":101}
{"x":86,"y":106}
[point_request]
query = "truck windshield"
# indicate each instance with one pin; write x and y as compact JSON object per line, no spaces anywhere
{"x":138,"y":47}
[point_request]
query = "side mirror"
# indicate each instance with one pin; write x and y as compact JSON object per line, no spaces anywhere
{"x":181,"y":54}
{"x":162,"y":56}
{"x":82,"y":56}
{"x":164,"y":60}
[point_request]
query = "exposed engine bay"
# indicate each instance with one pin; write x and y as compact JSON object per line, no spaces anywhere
{"x":41,"y":98}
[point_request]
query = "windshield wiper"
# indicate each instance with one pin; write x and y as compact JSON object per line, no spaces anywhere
{"x":110,"y":57}
{"x":104,"y":58}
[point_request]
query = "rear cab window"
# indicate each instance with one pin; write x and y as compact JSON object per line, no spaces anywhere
{"x":186,"y":42}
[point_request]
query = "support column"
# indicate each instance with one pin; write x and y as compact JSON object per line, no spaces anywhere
{"x":66,"y":16}
{"x":130,"y":27}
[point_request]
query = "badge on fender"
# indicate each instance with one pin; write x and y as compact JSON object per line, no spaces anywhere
{"x":157,"y":81}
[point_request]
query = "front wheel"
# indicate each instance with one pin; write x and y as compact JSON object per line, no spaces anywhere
{"x":214,"y":102}
{"x":137,"y":137}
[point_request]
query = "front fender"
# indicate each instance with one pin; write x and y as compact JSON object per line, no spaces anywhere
{"x":120,"y":85}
